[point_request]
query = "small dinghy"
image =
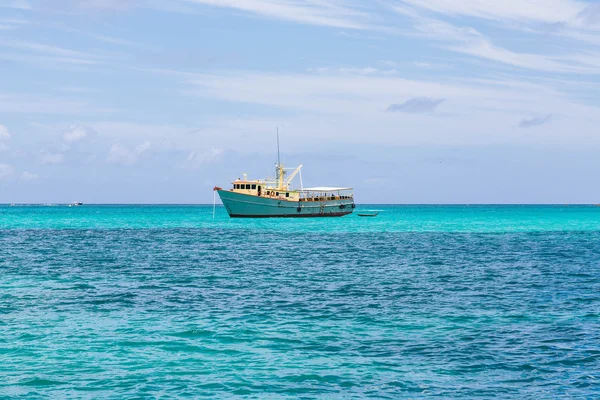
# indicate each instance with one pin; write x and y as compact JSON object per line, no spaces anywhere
{"x":367,"y":214}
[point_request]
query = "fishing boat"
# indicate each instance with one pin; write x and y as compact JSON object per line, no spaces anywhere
{"x":75,"y":204}
{"x":275,"y":197}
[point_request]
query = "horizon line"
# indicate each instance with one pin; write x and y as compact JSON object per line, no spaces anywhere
{"x":358,"y":204}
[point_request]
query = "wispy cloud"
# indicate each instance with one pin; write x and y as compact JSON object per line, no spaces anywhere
{"x":17,"y":4}
{"x":40,"y":104}
{"x":12,"y":24}
{"x":333,"y":92}
{"x":427,"y":15}
{"x":113,"y":40}
{"x":197,"y":158}
{"x":4,"y":133}
{"x":120,"y":154}
{"x":590,"y":15}
{"x":416,"y":105}
{"x":549,"y":11}
{"x":88,"y":6}
{"x":322,"y":12}
{"x":44,"y":55}
{"x":533,"y":122}
{"x":361,"y":97}
{"x":28,"y":176}
{"x":52,"y":158}
{"x":4,"y":136}
{"x":76,"y":133}
{"x":352,"y":71}
{"x":44,"y":48}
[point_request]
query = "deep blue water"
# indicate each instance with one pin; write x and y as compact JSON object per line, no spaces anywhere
{"x":421,"y":301}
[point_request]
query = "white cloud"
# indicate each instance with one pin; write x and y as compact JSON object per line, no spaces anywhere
{"x":4,"y":135}
{"x":28,"y":176}
{"x":120,"y":154}
{"x":5,"y":171}
{"x":52,"y":158}
{"x":76,"y":133}
{"x":142,"y":148}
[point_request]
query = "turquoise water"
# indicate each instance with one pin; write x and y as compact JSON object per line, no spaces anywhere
{"x":421,"y":301}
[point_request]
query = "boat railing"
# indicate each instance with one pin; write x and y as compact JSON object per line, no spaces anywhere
{"x":325,"y":198}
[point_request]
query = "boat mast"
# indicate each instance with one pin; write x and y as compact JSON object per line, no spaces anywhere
{"x":279,"y":166}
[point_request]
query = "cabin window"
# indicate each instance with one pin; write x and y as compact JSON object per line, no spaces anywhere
{"x":253,"y":187}
{"x":268,"y":192}
{"x":276,"y":193}
{"x":236,"y":186}
{"x":247,"y":187}
{"x":287,"y":195}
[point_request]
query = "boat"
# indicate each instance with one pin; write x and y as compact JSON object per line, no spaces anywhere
{"x":367,"y":214}
{"x":275,"y":197}
{"x":76,"y":203}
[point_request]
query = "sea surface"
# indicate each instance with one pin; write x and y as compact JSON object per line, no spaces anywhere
{"x":453,"y":302}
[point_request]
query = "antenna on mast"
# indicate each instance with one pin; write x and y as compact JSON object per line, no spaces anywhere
{"x":278,"y":161}
{"x":280,"y":171}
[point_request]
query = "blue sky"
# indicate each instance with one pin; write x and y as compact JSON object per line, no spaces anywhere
{"x":408,"y":101}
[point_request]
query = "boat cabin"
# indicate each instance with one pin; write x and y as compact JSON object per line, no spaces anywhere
{"x":261,"y":189}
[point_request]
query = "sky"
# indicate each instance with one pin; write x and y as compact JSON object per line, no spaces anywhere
{"x":407,"y":101}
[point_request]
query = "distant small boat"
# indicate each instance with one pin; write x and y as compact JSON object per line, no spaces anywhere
{"x":76,"y":203}
{"x":367,"y":214}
